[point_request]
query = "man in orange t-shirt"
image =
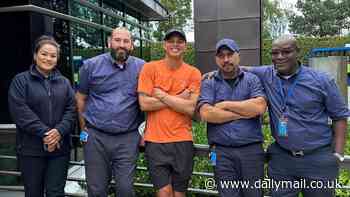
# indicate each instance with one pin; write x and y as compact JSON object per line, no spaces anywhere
{"x":168,"y":91}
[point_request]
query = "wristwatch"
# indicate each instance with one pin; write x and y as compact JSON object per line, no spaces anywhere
{"x":339,"y":157}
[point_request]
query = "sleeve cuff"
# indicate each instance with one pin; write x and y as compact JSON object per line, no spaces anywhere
{"x":259,"y":95}
{"x":43,"y":131}
{"x":200,"y":104}
{"x":60,"y":130}
{"x":148,"y":93}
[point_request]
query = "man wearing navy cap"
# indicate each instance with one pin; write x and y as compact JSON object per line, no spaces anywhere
{"x":232,"y":103}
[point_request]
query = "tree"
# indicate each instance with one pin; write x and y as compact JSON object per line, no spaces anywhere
{"x":180,"y":15}
{"x":320,"y":17}
{"x":274,"y":19}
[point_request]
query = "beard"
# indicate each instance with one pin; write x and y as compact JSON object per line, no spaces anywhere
{"x":120,"y":54}
{"x":230,"y":66}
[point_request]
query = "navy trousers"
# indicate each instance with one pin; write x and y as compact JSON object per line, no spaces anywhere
{"x":318,"y":166}
{"x":239,"y":164}
{"x":44,"y":175}
{"x":106,"y":155}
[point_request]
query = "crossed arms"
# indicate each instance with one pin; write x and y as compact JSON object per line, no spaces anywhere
{"x":226,"y":111}
{"x":183,"y":103}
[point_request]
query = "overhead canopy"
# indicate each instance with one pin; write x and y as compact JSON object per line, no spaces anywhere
{"x":147,"y":10}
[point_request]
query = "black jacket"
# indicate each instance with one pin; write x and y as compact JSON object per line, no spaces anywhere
{"x":37,"y":105}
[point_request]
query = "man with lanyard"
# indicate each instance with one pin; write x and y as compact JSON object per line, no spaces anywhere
{"x":232,"y":103}
{"x":168,"y":91}
{"x":300,"y":102}
{"x":109,"y":115}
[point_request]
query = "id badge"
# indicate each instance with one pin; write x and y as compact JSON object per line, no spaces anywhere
{"x":84,"y":136}
{"x":282,"y":126}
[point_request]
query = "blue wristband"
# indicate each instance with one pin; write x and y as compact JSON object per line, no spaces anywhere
{"x":83,"y":136}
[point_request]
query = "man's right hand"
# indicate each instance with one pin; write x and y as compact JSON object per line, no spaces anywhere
{"x":208,"y":75}
{"x":51,"y":147}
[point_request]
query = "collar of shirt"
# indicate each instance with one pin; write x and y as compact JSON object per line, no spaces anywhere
{"x":53,"y":75}
{"x":120,"y":66}
{"x":289,"y":76}
{"x":218,"y":74}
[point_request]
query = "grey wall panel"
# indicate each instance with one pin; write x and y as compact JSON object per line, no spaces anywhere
{"x":225,"y":9}
{"x":206,"y":35}
{"x":245,"y":32}
{"x":236,"y":19}
{"x":250,"y":57}
{"x":238,"y":8}
{"x":205,"y":9}
{"x":205,"y":61}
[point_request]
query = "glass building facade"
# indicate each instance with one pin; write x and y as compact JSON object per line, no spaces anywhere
{"x":81,"y":27}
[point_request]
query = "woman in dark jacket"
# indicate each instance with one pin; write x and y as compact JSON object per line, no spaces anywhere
{"x":41,"y":103}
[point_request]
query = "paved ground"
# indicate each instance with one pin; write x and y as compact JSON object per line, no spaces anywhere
{"x":11,"y":194}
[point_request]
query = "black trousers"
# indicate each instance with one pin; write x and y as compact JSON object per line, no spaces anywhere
{"x":44,"y":175}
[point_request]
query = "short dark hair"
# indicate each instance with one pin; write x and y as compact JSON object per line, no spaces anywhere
{"x":42,"y":40}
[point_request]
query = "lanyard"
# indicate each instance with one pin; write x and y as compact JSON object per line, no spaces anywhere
{"x":289,"y":92}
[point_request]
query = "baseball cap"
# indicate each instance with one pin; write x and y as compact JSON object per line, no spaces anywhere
{"x":172,"y":32}
{"x":229,"y":43}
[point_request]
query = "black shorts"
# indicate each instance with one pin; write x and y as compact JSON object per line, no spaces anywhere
{"x":170,"y":163}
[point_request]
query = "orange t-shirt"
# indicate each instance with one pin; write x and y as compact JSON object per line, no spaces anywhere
{"x":167,"y":125}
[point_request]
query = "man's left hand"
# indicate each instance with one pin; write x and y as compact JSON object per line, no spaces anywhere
{"x":159,"y":94}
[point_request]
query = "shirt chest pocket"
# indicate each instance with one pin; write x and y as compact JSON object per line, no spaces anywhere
{"x":106,"y":83}
{"x":221,"y":94}
{"x":130,"y":87}
{"x":309,"y":103}
{"x":226,"y":94}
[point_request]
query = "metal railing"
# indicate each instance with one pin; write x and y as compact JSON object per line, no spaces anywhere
{"x":201,"y":150}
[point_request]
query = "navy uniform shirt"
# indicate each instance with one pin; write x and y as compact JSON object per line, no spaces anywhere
{"x":237,"y":132}
{"x":314,"y":99}
{"x":112,"y":101}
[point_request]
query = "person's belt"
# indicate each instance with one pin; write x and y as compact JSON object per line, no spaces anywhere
{"x":301,"y":153}
{"x":240,"y":146}
{"x":88,"y":124}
